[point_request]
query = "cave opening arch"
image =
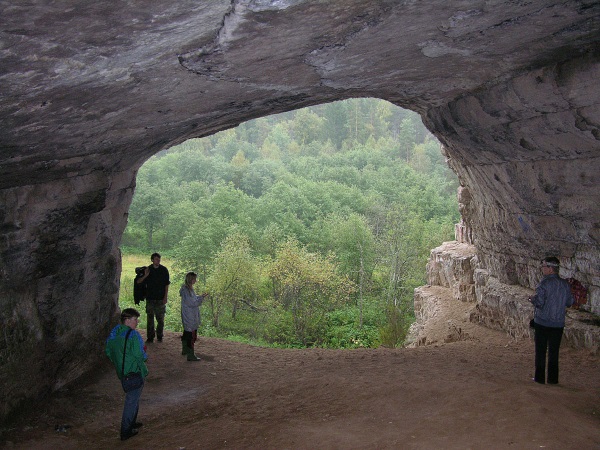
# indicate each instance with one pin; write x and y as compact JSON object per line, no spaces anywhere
{"x":323,"y":160}
{"x":91,"y":91}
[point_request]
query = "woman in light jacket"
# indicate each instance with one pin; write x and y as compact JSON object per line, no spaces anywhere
{"x":190,"y":316}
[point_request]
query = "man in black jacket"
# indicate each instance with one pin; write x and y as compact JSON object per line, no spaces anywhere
{"x":156,"y":280}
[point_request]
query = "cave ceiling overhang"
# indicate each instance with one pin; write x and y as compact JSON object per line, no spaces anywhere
{"x":104,"y":85}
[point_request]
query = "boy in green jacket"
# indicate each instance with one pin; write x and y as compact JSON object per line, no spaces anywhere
{"x":125,"y":348}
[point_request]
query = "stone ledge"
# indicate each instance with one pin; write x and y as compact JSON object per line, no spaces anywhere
{"x":452,"y":265}
{"x":505,"y":307}
{"x":460,"y":294}
{"x":441,"y":318}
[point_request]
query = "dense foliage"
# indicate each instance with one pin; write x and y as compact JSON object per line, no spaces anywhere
{"x":309,"y":228}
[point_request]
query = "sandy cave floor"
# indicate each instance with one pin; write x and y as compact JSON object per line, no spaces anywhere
{"x":476,"y":393}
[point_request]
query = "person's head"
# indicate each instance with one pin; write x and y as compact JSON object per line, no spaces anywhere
{"x":130,"y":317}
{"x":550,"y":265}
{"x":190,"y":279}
{"x":155,"y":258}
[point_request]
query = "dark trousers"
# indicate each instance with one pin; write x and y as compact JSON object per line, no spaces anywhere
{"x":190,"y":338}
{"x":547,"y":339}
{"x":155,"y":308}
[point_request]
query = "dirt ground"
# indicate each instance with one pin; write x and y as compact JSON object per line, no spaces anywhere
{"x":476,"y":393}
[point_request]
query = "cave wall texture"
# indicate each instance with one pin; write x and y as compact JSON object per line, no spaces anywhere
{"x":90,"y":90}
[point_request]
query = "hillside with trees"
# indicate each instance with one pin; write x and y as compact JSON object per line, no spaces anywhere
{"x":309,"y":228}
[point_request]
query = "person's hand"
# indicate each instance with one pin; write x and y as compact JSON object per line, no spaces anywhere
{"x":147,"y":271}
{"x":165,"y":301}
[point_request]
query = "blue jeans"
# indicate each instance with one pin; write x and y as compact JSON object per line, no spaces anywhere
{"x":130,"y":410}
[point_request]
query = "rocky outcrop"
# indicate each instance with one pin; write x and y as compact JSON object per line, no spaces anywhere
{"x":460,"y":295}
{"x":518,"y":205}
{"x":90,"y":90}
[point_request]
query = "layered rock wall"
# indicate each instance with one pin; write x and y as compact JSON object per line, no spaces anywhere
{"x":519,"y":203}
{"x":443,"y":307}
{"x":460,"y":294}
{"x":59,"y":296}
{"x":90,"y":90}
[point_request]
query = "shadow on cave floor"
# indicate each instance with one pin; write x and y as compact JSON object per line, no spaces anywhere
{"x":463,"y":394}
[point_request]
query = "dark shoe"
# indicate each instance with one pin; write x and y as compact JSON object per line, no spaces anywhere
{"x":149,"y":341}
{"x":159,"y":339}
{"x":132,"y":433}
{"x":138,"y":425}
{"x":192,"y":356}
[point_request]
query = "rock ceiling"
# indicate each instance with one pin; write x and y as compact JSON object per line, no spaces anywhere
{"x":90,"y":90}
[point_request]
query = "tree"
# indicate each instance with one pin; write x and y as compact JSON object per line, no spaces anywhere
{"x":240,"y":166}
{"x":227,"y":144}
{"x":420,"y":159}
{"x":177,"y":220}
{"x":307,"y":284}
{"x":335,"y":180}
{"x":149,"y":207}
{"x":354,"y":246}
{"x":406,"y":139}
{"x":307,"y":127}
{"x":235,"y":276}
{"x":336,"y":122}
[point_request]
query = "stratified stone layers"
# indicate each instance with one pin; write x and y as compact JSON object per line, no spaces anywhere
{"x":90,"y":90}
{"x":459,"y":294}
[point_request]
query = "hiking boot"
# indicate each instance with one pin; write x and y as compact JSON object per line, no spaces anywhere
{"x":132,"y":433}
{"x":192,"y":357}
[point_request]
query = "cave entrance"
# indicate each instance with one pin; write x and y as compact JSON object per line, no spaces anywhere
{"x":358,"y":187}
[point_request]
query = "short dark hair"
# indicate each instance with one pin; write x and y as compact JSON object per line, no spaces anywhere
{"x":153,"y":255}
{"x":128,"y":313}
{"x":551,"y":261}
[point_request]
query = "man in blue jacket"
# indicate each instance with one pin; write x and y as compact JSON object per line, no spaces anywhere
{"x":552,"y":297}
{"x":125,"y":348}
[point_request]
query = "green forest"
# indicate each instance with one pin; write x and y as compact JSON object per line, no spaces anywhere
{"x":308,"y":229}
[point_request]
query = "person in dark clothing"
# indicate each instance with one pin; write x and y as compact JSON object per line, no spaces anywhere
{"x":552,"y":297}
{"x":156,"y":280}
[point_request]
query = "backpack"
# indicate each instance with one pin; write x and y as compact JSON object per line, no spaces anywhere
{"x":578,"y":291}
{"x":139,"y":289}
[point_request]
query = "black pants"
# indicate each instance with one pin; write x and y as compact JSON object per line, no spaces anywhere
{"x":190,"y":338}
{"x":547,"y":339}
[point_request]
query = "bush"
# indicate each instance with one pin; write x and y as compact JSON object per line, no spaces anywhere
{"x":393,"y":333}
{"x":344,"y":331}
{"x":279,"y":330}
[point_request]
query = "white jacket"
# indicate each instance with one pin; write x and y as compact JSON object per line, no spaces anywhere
{"x":190,"y":308}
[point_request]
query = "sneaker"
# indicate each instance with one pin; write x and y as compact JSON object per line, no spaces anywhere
{"x":159,"y":339}
{"x":132,"y":433}
{"x":149,"y":341}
